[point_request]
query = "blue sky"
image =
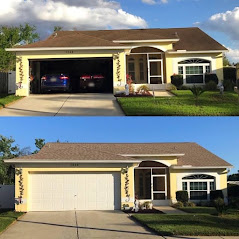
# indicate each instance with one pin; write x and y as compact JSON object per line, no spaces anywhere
{"x":217,"y":134}
{"x":219,"y":18}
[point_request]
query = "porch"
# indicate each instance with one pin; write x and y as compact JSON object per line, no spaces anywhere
{"x":146,"y":66}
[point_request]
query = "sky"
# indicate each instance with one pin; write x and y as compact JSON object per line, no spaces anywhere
{"x":218,"y":18}
{"x":217,"y":134}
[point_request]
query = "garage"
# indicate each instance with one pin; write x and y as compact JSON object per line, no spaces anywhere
{"x":83,"y":75}
{"x":74,"y":191}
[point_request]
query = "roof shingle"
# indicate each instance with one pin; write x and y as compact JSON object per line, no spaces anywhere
{"x":194,"y":154}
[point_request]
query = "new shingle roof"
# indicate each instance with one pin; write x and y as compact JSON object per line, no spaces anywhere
{"x":194,"y":154}
{"x":190,"y":39}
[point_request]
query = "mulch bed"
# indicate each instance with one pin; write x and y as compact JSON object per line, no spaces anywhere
{"x":146,"y":211}
{"x":133,"y":95}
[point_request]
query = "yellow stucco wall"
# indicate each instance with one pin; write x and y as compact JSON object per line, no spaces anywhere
{"x":26,"y":170}
{"x":24,"y":57}
{"x":221,"y":179}
{"x":119,"y":81}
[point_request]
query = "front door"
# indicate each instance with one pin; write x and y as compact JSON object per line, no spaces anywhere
{"x":155,"y":71}
{"x":159,"y":189}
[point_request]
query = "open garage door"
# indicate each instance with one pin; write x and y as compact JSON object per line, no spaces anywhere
{"x":85,"y":74}
{"x":74,"y":191}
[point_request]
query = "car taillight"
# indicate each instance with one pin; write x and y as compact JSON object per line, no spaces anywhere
{"x":44,"y":78}
{"x":64,"y":78}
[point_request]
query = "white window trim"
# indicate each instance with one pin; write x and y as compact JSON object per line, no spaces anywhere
{"x":194,"y":64}
{"x":188,"y":181}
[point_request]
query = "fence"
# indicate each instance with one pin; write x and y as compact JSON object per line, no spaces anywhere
{"x":8,"y":82}
{"x":7,"y":196}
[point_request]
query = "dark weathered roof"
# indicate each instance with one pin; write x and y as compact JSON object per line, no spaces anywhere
{"x":190,"y":39}
{"x":194,"y":154}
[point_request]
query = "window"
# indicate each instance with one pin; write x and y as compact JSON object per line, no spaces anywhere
{"x":198,"y":186}
{"x":180,"y":70}
{"x":141,"y":69}
{"x":131,"y":68}
{"x":194,"y":70}
{"x":185,"y":186}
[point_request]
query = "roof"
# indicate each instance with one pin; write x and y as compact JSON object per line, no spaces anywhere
{"x":188,"y":153}
{"x":189,"y":39}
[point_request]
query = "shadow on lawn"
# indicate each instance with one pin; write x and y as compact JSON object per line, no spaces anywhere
{"x":209,"y":225}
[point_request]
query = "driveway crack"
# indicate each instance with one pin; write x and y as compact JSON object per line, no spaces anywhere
{"x":62,"y":105}
{"x":77,"y":227}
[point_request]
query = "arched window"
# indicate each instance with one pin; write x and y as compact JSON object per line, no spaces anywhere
{"x":198,"y":186}
{"x":194,"y":70}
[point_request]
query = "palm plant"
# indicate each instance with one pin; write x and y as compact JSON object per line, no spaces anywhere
{"x":197,"y":91}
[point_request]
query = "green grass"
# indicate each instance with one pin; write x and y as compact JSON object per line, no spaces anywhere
{"x":8,"y":217}
{"x":6,"y":99}
{"x":199,"y":223}
{"x":211,"y":103}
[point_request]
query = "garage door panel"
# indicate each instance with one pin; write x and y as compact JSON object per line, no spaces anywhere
{"x":82,"y":191}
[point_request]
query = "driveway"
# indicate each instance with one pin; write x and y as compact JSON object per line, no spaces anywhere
{"x":64,"y":105}
{"x":76,"y":225}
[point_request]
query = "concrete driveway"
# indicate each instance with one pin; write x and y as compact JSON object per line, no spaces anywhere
{"x":75,"y":225}
{"x":91,"y":104}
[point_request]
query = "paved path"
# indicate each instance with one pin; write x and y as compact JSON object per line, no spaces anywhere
{"x":91,"y":104}
{"x":77,"y":225}
{"x":169,"y":210}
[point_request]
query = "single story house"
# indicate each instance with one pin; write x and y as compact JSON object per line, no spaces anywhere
{"x":149,"y":56}
{"x":107,"y":176}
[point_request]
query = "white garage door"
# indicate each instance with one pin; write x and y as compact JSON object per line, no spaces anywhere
{"x":84,"y":191}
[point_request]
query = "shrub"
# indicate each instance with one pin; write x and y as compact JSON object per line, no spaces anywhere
{"x":220,"y":206}
{"x":171,"y":87}
{"x":183,"y":87}
{"x":234,"y":202}
{"x":143,"y":89}
{"x":233,"y":190}
{"x":177,"y":80}
{"x":190,"y":204}
{"x":216,"y":194}
{"x":228,"y":85}
{"x":237,"y":83}
{"x":182,"y":196}
{"x":178,"y":205}
{"x":211,"y":86}
{"x":211,"y":77}
{"x":197,"y":91}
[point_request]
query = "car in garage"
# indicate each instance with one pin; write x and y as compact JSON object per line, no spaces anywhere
{"x":93,"y":82}
{"x":55,"y":82}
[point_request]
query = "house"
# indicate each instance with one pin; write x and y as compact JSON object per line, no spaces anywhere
{"x":96,"y":176}
{"x":149,"y":56}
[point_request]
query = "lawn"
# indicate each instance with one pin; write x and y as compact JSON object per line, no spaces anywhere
{"x":211,"y":103}
{"x":8,"y":217}
{"x":7,"y":99}
{"x":194,"y":224}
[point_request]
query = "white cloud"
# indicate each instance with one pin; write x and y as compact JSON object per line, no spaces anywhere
{"x":233,"y":55}
{"x":226,"y":22}
{"x":152,"y":2}
{"x":83,"y":14}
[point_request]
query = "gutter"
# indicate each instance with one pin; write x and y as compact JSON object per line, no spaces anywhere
{"x":67,"y":48}
{"x":199,"y":167}
{"x":185,"y":51}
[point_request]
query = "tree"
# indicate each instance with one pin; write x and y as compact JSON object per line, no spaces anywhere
{"x":11,"y":36}
{"x":234,"y":177}
{"x":226,"y":62}
{"x":39,"y":143}
{"x":7,"y":151}
{"x":58,"y":28}
{"x":197,"y":91}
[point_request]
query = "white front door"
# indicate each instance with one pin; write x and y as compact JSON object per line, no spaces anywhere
{"x":74,"y":191}
{"x":159,"y":189}
{"x":155,"y":71}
